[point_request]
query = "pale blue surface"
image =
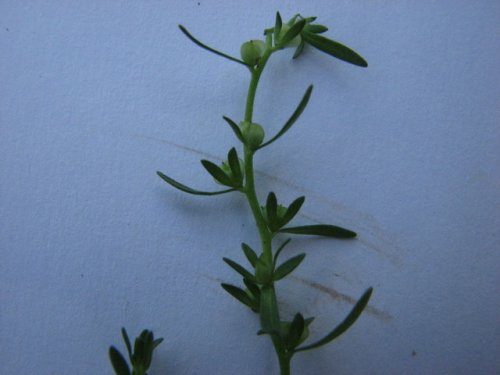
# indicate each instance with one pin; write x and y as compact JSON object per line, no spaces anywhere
{"x":98,"y":95}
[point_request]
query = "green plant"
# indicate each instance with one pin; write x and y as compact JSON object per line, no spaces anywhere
{"x":141,"y":356}
{"x":272,"y":218}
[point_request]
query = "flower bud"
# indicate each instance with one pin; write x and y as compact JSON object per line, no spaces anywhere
{"x":252,"y":51}
{"x":252,"y":133}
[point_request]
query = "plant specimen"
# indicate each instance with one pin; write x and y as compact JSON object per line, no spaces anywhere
{"x":140,"y":358}
{"x":272,"y":218}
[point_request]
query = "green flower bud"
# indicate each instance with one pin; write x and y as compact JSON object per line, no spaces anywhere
{"x":252,"y":133}
{"x":252,"y":51}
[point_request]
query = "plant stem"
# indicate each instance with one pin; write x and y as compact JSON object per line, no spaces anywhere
{"x":251,"y":195}
{"x":264,"y":232}
{"x":265,"y":235}
{"x":284,"y":360}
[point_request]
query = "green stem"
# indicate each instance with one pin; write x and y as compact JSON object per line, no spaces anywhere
{"x":251,"y":195}
{"x":265,"y":234}
{"x":284,"y":361}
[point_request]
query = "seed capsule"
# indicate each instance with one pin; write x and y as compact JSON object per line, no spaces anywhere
{"x":253,"y":134}
{"x":252,"y":51}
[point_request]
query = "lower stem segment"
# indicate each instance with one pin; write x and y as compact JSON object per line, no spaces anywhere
{"x":284,"y":357}
{"x":284,"y":364}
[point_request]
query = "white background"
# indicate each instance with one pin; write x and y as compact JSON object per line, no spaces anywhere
{"x":98,"y":95}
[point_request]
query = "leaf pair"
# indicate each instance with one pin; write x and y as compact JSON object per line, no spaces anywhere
{"x":251,"y":296}
{"x":263,"y":271}
{"x":275,"y":274}
{"x":232,"y":176}
{"x":140,"y":357}
{"x":278,"y":216}
{"x":231,"y":172}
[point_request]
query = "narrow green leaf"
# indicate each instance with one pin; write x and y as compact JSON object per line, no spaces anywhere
{"x":269,"y":313}
{"x":279,"y":250}
{"x":288,"y":266}
{"x":272,"y":211}
{"x":315,"y":29}
{"x":250,"y":254}
{"x":299,"y":50}
{"x":292,"y":210}
{"x":292,"y":32}
{"x":240,"y":269}
{"x":187,"y":189}
{"x":217,"y":173}
{"x":138,"y":355}
{"x":239,"y":294}
{"x":342,"y":327}
{"x":295,"y":332}
{"x":234,"y":164}
{"x":334,"y":49}
{"x":236,"y":129}
{"x":277,"y":28}
{"x":118,"y":362}
{"x":197,"y":42}
{"x":320,"y":230}
{"x":298,"y":111}
{"x":127,"y":342}
{"x":147,"y":338}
